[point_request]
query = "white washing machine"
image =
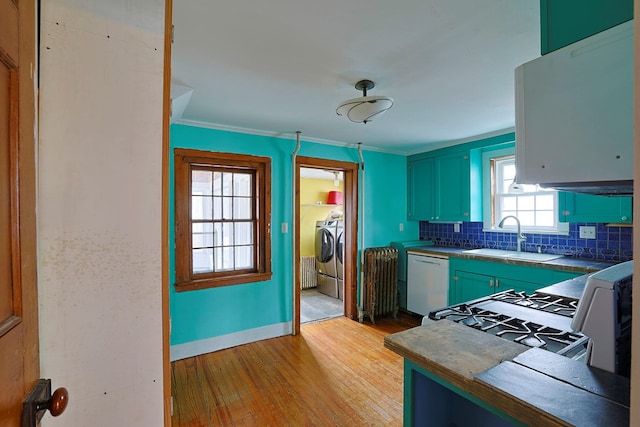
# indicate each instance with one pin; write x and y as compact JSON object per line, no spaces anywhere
{"x":325,"y":248}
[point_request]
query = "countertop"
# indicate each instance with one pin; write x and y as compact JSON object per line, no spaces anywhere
{"x":532,"y":385}
{"x":565,"y":263}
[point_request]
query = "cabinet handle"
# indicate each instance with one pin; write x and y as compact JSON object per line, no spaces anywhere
{"x":491,"y":283}
{"x":624,"y":218}
{"x":497,"y":283}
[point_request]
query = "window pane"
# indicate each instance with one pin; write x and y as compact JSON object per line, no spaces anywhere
{"x":201,"y":183}
{"x":544,"y":202}
{"x":244,"y":256}
{"x":242,"y":184}
{"x":244,"y":233}
{"x":545,"y":219}
{"x":526,"y":218}
{"x":227,"y":184}
{"x":526,"y":202}
{"x":509,"y":203}
{"x":241,"y":208}
{"x":227,"y":213}
{"x":217,"y":184}
{"x":217,"y":234}
{"x":224,"y":258}
{"x":217,"y":208}
{"x":223,"y":235}
{"x":509,"y":170}
{"x":202,"y":235}
{"x":200,"y":207}
{"x":202,"y":261}
{"x":227,"y":234}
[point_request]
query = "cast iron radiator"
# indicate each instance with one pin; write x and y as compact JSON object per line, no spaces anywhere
{"x":380,"y":283}
{"x":308,"y":272}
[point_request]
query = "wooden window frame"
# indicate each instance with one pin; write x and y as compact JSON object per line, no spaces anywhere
{"x":184,"y":161}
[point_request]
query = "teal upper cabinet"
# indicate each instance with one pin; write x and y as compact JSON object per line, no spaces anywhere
{"x":563,"y":22}
{"x":440,"y":188}
{"x":421,"y":188}
{"x":576,"y":207}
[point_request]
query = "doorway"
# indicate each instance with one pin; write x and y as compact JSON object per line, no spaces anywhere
{"x":321,"y":244}
{"x":343,"y":217}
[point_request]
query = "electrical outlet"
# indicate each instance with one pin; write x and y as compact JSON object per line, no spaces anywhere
{"x":456,"y":227}
{"x":284,"y":227}
{"x":587,"y":232}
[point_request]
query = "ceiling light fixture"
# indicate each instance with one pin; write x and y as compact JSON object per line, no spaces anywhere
{"x":365,"y":108}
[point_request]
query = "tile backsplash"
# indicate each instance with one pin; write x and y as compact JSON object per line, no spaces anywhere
{"x":612,"y":243}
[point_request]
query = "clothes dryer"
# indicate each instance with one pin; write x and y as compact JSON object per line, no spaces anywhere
{"x":325,"y":251}
{"x":340,"y":236}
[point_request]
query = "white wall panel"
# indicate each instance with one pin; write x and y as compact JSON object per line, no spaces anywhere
{"x":99,"y":211}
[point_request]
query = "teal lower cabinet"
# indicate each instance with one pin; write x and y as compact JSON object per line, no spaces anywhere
{"x":469,"y":286}
{"x":472,"y":279}
{"x":431,"y":401}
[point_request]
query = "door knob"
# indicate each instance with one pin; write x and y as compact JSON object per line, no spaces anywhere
{"x":40,"y":400}
{"x":58,"y":402}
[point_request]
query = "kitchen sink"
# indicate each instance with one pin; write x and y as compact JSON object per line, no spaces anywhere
{"x":525,"y":256}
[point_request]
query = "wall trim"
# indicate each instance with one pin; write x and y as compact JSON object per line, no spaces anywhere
{"x":209,"y":345}
{"x":290,"y":135}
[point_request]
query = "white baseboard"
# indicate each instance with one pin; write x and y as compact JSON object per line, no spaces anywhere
{"x":194,"y":348}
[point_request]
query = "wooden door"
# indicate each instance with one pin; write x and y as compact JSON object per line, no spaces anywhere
{"x":19,"y":355}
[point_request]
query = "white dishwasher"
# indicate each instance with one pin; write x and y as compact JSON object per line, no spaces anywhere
{"x":427,"y":283}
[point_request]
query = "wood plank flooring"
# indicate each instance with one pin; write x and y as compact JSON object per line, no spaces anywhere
{"x":335,"y":373}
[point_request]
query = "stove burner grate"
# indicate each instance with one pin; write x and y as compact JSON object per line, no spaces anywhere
{"x":564,"y":306}
{"x":514,"y":329}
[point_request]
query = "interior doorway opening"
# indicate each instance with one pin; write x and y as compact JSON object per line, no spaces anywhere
{"x":321,"y":244}
{"x":325,"y":240}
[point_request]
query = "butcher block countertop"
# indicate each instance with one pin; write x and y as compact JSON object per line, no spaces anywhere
{"x":534,"y":386}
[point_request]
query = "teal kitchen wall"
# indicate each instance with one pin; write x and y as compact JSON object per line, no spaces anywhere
{"x":210,"y":319}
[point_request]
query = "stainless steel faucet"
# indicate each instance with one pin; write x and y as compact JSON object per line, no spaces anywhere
{"x":521,"y":237}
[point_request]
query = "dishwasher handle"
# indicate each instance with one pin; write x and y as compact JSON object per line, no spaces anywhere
{"x":424,"y":261}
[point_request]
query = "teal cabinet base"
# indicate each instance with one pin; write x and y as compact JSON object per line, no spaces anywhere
{"x":431,"y":401}
{"x":472,"y":279}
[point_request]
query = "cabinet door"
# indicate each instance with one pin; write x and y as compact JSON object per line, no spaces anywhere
{"x":577,"y":207}
{"x":420,"y":186}
{"x":504,"y":283}
{"x":469,"y":286}
{"x":452,"y":187}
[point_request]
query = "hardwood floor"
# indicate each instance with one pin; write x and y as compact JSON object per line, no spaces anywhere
{"x":335,"y":373}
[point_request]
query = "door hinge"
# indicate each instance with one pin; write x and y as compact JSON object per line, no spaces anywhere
{"x":172,"y":33}
{"x":172,"y":406}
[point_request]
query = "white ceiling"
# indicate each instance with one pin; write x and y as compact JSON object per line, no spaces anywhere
{"x":280,"y":66}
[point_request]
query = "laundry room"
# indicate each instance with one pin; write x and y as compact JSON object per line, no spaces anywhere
{"x":321,"y":244}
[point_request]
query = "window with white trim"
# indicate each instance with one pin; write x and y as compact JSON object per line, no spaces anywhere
{"x":535,"y":207}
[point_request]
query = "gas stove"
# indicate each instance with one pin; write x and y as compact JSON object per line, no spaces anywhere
{"x":536,"y":320}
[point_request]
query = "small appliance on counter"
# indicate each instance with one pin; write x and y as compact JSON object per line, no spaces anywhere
{"x":604,"y":315}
